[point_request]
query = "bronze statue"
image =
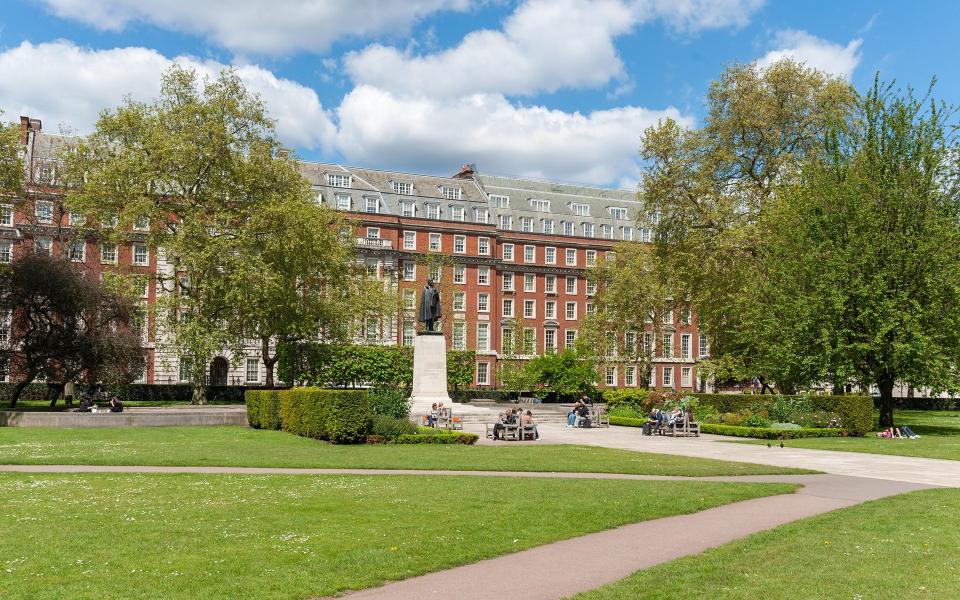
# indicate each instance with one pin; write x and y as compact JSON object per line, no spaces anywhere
{"x":429,"y":306}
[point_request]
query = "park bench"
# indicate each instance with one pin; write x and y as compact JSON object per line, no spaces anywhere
{"x":684,"y":428}
{"x":599,"y":417}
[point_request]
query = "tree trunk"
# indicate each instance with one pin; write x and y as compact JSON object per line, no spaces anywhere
{"x":18,"y":389}
{"x":886,"y":402}
{"x":268,"y":362}
{"x":199,"y":389}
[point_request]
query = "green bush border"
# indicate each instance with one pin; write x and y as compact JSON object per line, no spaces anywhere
{"x":454,"y":437}
{"x":855,"y":412}
{"x":767,"y":433}
{"x":341,"y":416}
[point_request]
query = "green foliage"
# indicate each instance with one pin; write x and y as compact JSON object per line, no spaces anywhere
{"x":627,"y":421}
{"x":252,"y":401}
{"x":346,"y":365}
{"x":270,"y":409}
{"x":389,"y":427}
{"x":756,"y":421}
{"x":768,"y":433}
{"x":452,"y":437}
{"x":460,"y":367}
{"x":564,"y":373}
{"x":341,"y":416}
{"x":391,"y":402}
{"x":636,"y":399}
{"x":854,"y":413}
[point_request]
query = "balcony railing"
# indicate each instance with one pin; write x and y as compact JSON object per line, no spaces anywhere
{"x":375,"y":243}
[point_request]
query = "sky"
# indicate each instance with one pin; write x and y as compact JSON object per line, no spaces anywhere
{"x":554,"y":89}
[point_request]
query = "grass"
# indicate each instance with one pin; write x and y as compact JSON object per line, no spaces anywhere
{"x":246,"y":536}
{"x":900,"y":547}
{"x":241,"y":446}
{"x":939,"y":433}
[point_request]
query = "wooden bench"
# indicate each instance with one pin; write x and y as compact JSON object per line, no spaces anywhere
{"x":599,"y":417}
{"x":684,"y":429}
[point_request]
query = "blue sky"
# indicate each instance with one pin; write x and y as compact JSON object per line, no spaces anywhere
{"x":559,"y":89}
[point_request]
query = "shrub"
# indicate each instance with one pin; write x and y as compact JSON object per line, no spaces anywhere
{"x":733,"y":419}
{"x":767,"y":433}
{"x":341,"y":416}
{"x":626,"y":411}
{"x":389,"y":427}
{"x":855,"y":413}
{"x":627,"y":421}
{"x":444,"y":437}
{"x":252,"y":400}
{"x":376,"y":439}
{"x":631,"y":399}
{"x":270,"y":409}
{"x":392,"y":402}
{"x":784,"y":426}
{"x":756,"y":421}
{"x":814,"y":419}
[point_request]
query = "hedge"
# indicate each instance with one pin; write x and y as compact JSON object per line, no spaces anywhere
{"x":768,"y":433}
{"x":855,"y":412}
{"x":453,"y":437}
{"x":341,"y":416}
{"x":922,"y":403}
{"x":143,"y":392}
{"x":627,"y":421}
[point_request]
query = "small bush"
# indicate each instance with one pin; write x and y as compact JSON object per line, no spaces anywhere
{"x":392,"y":402}
{"x":784,"y":426}
{"x":733,"y":419}
{"x":389,"y":427}
{"x":270,"y":409}
{"x":626,"y":411}
{"x":453,"y":437}
{"x":756,"y":421}
{"x":767,"y":433}
{"x":252,"y":399}
{"x":632,"y":399}
{"x":815,"y":419}
{"x":376,"y":439}
{"x":627,"y":421}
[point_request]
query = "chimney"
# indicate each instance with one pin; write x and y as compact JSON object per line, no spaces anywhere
{"x":466,"y":171}
{"x":26,"y":126}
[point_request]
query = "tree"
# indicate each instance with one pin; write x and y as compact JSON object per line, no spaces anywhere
{"x":863,"y":255}
{"x":564,"y":373}
{"x":706,"y":189}
{"x":193,"y":167}
{"x":64,"y":324}
{"x":11,"y":159}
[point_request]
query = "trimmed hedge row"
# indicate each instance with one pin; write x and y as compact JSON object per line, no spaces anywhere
{"x":627,"y":421}
{"x":855,"y":412}
{"x":453,"y":437}
{"x":341,"y":416}
{"x":767,"y":433}
{"x":144,"y":392}
{"x":923,"y":403}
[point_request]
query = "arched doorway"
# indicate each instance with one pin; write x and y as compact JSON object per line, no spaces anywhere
{"x":218,"y":371}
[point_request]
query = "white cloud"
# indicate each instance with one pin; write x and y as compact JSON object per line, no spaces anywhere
{"x":429,"y":135}
{"x":815,"y":52}
{"x":277,"y":27}
{"x":544,"y":46}
{"x":60,"y":82}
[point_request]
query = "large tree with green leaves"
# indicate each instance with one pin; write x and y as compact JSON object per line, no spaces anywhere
{"x":11,"y":160}
{"x":708,"y":188}
{"x":193,"y":167}
{"x":861,"y":257}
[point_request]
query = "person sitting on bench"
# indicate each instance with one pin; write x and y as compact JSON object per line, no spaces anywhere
{"x":583,"y":416}
{"x":116,"y":405}
{"x":528,"y":424}
{"x":508,"y":418}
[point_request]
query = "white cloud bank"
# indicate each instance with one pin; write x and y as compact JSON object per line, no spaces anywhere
{"x":815,"y":52}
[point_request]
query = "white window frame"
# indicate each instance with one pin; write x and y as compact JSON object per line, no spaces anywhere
{"x":483,"y":246}
{"x":459,"y":244}
{"x":526,"y":224}
{"x":247,"y":371}
{"x":568,"y":228}
{"x":610,"y":376}
{"x":549,"y":340}
{"x":409,"y":270}
{"x":6,"y":252}
{"x":529,"y":309}
{"x":459,"y":335}
{"x":507,"y":307}
{"x":460,"y":274}
{"x":44,"y":217}
{"x":550,"y":284}
{"x":630,"y":376}
{"x":483,"y":302}
{"x":618,"y":212}
{"x":529,"y":254}
{"x":6,"y":215}
{"x":500,"y":201}
{"x":458,"y":213}
{"x":549,"y":309}
{"x":507,"y":280}
{"x":481,"y":215}
{"x":570,"y":256}
{"x":571,"y":289}
{"x":75,"y":244}
{"x":43,"y":244}
{"x":550,"y":255}
{"x":435,"y":242}
{"x":145,"y":262}
{"x":686,"y":340}
{"x":103,"y":255}
{"x":580,"y":209}
{"x":409,"y":299}
{"x":340,"y":180}
{"x":547,"y":226}
{"x":404,"y":188}
{"x":686,"y":376}
{"x":408,"y":208}
{"x":539,"y":205}
{"x":569,"y":315}
{"x":483,"y":373}
{"x":506,"y":222}
{"x":409,"y":240}
{"x":668,"y":377}
{"x":433,"y":210}
{"x":371,"y":205}
{"x":506,"y":252}
{"x":483,"y":337}
{"x":588,"y":230}
{"x":483,"y":275}
{"x":460,"y":301}
{"x":530,"y":282}
{"x":344,"y":201}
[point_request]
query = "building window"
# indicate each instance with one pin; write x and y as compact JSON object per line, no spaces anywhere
{"x":529,"y":341}
{"x":483,"y":246}
{"x":409,"y":333}
{"x":667,"y":345}
{"x":409,"y":240}
{"x":668,"y":377}
{"x":567,"y":227}
{"x":481,"y":215}
{"x":459,"y":274}
{"x":44,"y":212}
{"x":571,"y":257}
{"x":500,"y":201}
{"x":570,"y":313}
{"x":611,"y":376}
{"x":483,"y":337}
{"x":43,"y":245}
{"x":668,"y":317}
{"x":460,"y":301}
{"x":373,"y":331}
{"x":338,"y":180}
{"x":540,"y":205}
{"x":141,"y":255}
{"x":483,"y":303}
{"x":571,"y":284}
{"x":371,"y":205}
{"x":253,"y":370}
{"x":590,"y":309}
{"x":507,"y":307}
{"x":686,"y":379}
{"x":451,"y":193}
{"x":506,"y":222}
{"x":185,"y":369}
{"x":591,"y":288}
{"x":653,"y":378}
{"x":457,"y":213}
{"x":548,"y":226}
{"x":508,"y":282}
{"x":459,"y":244}
{"x":373,"y":232}
{"x":588,"y":230}
{"x":407,"y":208}
{"x":403,"y":187}
{"x":6,"y":215}
{"x":581,"y":210}
{"x":526,"y":224}
{"x":108,"y":253}
{"x":618,"y":213}
{"x":644,"y":234}
{"x":529,"y":309}
{"x":550,"y":284}
{"x":570,"y":338}
{"x":4,"y":329}
{"x":549,"y":341}
{"x":529,"y":282}
{"x":507,"y":252}
{"x":459,"y":335}
{"x":409,"y":299}
{"x":483,"y":275}
{"x":606,"y":232}
{"x":433,"y":211}
{"x":529,"y":254}
{"x":434,"y":245}
{"x":591,"y":258}
{"x":77,"y":250}
{"x":685,"y":346}
{"x":506,"y":341}
{"x":409,"y":271}
{"x":344,"y":202}
{"x":550,"y":309}
{"x":704,"y":350}
{"x":483,"y":373}
{"x":77,"y":220}
{"x":626,"y":233}
{"x":550,"y":255}
{"x":685,"y":315}
{"x":436,"y":272}
{"x":630,"y":376}
{"x":6,"y":252}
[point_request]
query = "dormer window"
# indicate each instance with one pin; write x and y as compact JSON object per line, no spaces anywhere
{"x":403,"y":187}
{"x":548,"y":226}
{"x":540,"y":205}
{"x":340,"y":180}
{"x":433,"y":211}
{"x":481,"y":215}
{"x":588,"y":230}
{"x":408,"y":208}
{"x":606,"y":231}
{"x":371,"y":205}
{"x":499,"y":201}
{"x":618,"y":212}
{"x":567,"y":228}
{"x":343,"y":202}
{"x":450,"y":193}
{"x":457,"y":213}
{"x":581,"y":210}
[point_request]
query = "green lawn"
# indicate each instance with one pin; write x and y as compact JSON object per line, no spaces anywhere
{"x":901,"y":547}
{"x":249,"y":536}
{"x":241,"y":446}
{"x":939,"y":433}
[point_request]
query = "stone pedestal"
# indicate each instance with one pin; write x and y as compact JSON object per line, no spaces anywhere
{"x":429,"y":373}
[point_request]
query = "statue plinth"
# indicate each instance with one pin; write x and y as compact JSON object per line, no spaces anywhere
{"x":429,"y":372}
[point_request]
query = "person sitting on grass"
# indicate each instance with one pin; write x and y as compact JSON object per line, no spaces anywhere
{"x":905,"y":430}
{"x":115,"y":405}
{"x":86,"y":404}
{"x":572,"y":415}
